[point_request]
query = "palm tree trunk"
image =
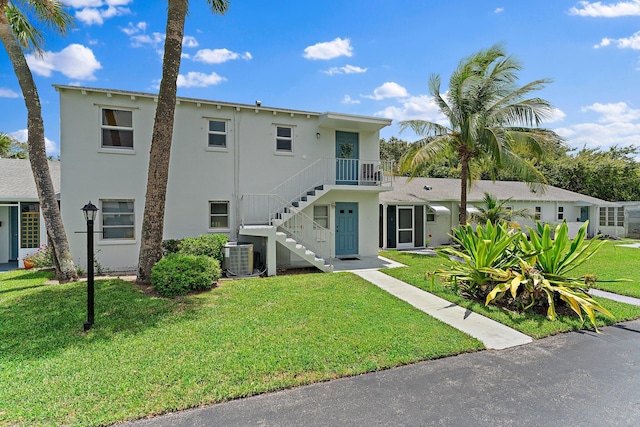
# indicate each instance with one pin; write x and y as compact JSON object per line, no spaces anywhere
{"x":65,"y":269}
{"x":158,"y":175}
{"x":464,"y":164}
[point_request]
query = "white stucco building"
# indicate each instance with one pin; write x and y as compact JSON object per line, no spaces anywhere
{"x":301,"y":186}
{"x":426,"y":209}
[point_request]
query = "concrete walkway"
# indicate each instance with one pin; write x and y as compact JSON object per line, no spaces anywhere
{"x":615,"y":297}
{"x":493,"y":335}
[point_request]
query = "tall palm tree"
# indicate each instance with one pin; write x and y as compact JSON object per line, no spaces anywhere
{"x":495,"y":210}
{"x":489,"y":117}
{"x":17,"y":35}
{"x":158,"y":175}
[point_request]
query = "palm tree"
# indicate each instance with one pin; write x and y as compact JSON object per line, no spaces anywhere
{"x":494,"y":210}
{"x":17,"y":35}
{"x":158,"y":175}
{"x":490,"y":118}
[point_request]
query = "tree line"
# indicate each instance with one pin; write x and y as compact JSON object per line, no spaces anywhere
{"x":612,"y":174}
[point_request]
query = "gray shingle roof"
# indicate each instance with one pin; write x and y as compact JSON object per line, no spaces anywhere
{"x":446,"y":189}
{"x":17,"y":183}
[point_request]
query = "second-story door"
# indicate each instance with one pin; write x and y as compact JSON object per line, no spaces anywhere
{"x":347,"y":155}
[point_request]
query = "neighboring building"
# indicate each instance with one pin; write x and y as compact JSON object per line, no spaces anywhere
{"x":259,"y":174}
{"x":426,"y":209}
{"x":22,"y":229}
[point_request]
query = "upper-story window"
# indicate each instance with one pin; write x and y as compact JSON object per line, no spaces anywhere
{"x":217,"y":134}
{"x":117,"y":128}
{"x":284,"y":139}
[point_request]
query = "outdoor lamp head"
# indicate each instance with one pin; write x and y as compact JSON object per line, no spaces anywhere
{"x":89,"y":211}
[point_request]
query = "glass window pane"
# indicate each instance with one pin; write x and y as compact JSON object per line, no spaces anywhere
{"x":219,"y":208}
{"x":284,"y":132}
{"x":117,"y":206}
{"x":217,"y":126}
{"x":117,"y":219}
{"x":405,"y":236}
{"x":283,"y":145}
{"x":118,"y":233}
{"x":217,"y":140}
{"x":117,"y":138}
{"x":405,"y":218}
{"x":219,"y":222}
{"x":117,"y":118}
{"x":320,"y":211}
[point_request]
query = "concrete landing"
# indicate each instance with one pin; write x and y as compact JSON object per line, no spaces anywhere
{"x":493,"y":335}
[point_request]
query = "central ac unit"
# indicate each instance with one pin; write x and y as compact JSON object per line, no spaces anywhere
{"x":238,"y":258}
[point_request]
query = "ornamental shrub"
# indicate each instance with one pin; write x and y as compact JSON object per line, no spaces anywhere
{"x":211,"y":245}
{"x":170,"y":246}
{"x":180,"y":274}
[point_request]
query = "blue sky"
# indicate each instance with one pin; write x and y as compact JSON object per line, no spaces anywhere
{"x":365,"y":57}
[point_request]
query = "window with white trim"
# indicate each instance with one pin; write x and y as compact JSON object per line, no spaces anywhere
{"x":538,"y":213}
{"x":219,"y":215}
{"x":620,"y":220}
{"x":321,"y":215}
{"x":611,"y":217}
{"x":118,"y":219}
{"x":560,"y":213}
{"x":217,"y":134}
{"x":431,"y":217}
{"x":117,"y":129}
{"x":284,"y":139}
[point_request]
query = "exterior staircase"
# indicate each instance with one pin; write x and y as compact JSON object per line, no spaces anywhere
{"x":303,"y":252}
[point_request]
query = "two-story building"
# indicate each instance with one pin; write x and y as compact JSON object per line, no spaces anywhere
{"x":301,"y":186}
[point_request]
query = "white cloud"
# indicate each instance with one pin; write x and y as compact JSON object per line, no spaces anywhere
{"x":613,"y":113}
{"x":218,"y":56}
{"x":132,"y":29}
{"x":600,"y":10}
{"x":388,"y":90}
{"x":329,"y":50}
{"x":189,"y":41}
{"x":96,"y":11}
{"x":632,"y":42}
{"x":154,"y":40}
{"x":420,"y":107}
{"x":74,"y":61}
{"x":8,"y":93}
{"x":347,"y":69}
{"x":348,"y":100}
{"x":22,"y":135}
{"x":557,"y":115}
{"x":617,"y":124}
{"x":195,"y":79}
{"x":499,"y":10}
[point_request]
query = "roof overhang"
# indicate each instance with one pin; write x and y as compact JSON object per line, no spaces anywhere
{"x":351,"y":122}
{"x":439,"y":209}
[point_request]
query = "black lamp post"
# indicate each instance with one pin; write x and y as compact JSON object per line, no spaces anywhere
{"x":90,"y":212}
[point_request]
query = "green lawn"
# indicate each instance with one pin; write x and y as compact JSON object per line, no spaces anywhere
{"x":533,"y":325}
{"x":149,"y":355}
{"x":614,"y":262}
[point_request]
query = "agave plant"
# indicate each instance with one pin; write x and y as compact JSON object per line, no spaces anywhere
{"x":484,"y":255}
{"x":559,"y":255}
{"x":529,"y":285}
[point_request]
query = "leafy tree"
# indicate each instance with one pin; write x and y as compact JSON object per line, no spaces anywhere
{"x":11,"y":148}
{"x":18,"y":34}
{"x":158,"y":175}
{"x":490,"y":118}
{"x":494,"y":211}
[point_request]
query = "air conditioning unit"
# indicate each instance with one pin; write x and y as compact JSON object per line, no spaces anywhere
{"x":238,"y":258}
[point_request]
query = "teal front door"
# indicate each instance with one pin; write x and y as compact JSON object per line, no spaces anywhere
{"x":347,"y":154}
{"x":346,"y":229}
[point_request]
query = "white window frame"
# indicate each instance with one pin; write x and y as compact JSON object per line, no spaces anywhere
{"x":211,"y":216}
{"x":431,"y":217}
{"x":620,"y":217}
{"x":104,"y":127}
{"x":284,"y":138}
{"x":560,"y":213}
{"x":225,"y":133}
{"x":122,"y":213}
{"x":537,"y":216}
{"x":411,"y":243}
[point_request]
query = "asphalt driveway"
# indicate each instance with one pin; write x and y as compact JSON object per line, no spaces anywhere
{"x":572,"y":379}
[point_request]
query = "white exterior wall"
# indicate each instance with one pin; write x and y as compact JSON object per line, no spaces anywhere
{"x":198,"y":174}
